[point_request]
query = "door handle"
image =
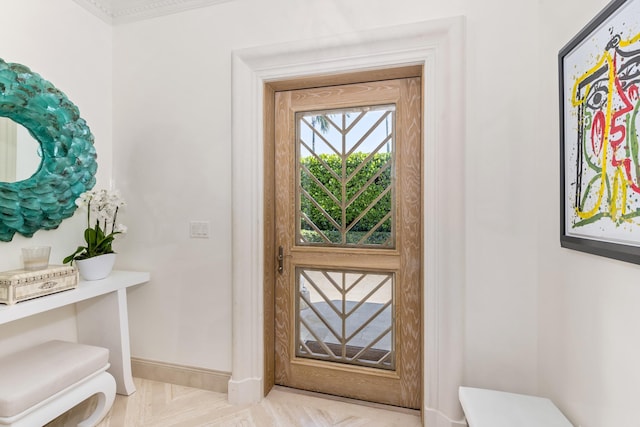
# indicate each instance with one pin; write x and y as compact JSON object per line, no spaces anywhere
{"x":280,"y":260}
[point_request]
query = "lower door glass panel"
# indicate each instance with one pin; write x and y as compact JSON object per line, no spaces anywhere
{"x":346,"y":317}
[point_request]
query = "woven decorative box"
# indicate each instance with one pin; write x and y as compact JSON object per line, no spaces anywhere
{"x":20,"y":285}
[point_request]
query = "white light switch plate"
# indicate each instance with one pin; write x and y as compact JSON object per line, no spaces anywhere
{"x":199,"y":229}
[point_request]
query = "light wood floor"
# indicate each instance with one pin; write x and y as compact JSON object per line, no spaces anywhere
{"x":161,"y":405}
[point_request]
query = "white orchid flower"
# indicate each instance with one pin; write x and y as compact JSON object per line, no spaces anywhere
{"x":102,"y":210}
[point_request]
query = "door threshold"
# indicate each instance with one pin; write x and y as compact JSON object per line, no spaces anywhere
{"x":408,"y":411}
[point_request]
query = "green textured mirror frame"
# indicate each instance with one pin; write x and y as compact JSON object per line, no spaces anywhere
{"x":68,"y":166}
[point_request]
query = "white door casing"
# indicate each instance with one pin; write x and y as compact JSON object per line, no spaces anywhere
{"x":437,"y":45}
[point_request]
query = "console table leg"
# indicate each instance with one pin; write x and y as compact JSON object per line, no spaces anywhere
{"x":103,"y":321}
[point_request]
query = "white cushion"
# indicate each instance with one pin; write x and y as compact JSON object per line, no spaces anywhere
{"x":490,"y":408}
{"x":32,"y":375}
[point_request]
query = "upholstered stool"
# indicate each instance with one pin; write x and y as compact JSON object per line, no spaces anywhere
{"x":490,"y":408}
{"x":42,"y":382}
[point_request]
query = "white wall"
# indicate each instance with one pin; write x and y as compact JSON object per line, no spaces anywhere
{"x":501,"y":300}
{"x":71,"y":49}
{"x":588,"y":305}
{"x":172,"y":145}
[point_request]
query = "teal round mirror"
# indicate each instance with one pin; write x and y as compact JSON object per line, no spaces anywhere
{"x":68,"y":164}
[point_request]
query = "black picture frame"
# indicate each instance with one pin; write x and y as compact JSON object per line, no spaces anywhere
{"x":599,"y":153}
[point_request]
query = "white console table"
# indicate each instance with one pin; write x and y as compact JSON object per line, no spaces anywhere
{"x":101,"y":307}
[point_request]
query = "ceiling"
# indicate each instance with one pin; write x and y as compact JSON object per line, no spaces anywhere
{"x":120,"y":11}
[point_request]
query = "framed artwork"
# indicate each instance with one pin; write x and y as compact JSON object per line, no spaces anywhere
{"x":599,"y":76}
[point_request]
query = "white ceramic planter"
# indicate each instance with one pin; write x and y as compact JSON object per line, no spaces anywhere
{"x":96,"y":268}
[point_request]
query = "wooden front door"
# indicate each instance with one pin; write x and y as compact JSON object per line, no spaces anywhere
{"x":348,"y":212}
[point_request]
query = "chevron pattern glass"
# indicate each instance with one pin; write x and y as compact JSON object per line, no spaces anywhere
{"x":346,"y":179}
{"x":346,"y":317}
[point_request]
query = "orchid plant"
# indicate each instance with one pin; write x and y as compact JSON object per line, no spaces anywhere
{"x":102,"y":208}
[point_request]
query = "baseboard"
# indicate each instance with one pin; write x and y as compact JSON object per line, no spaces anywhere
{"x":188,"y":376}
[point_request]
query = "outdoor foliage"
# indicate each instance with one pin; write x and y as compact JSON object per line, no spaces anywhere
{"x":319,"y":167}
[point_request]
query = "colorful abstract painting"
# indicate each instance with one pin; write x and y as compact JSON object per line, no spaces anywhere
{"x":600,"y":101}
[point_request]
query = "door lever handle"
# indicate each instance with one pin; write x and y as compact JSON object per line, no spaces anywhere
{"x":280,"y":260}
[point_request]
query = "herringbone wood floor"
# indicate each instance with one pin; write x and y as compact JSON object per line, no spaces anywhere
{"x":162,"y":405}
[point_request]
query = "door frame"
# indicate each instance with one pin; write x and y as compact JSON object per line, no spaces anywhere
{"x":438,"y":47}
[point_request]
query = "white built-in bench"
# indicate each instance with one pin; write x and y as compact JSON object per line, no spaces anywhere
{"x":490,"y":408}
{"x":42,"y":382}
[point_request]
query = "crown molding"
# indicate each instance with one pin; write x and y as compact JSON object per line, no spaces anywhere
{"x":116,"y":12}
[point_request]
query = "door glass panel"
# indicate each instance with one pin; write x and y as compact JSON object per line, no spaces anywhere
{"x":346,"y":179}
{"x":346,"y":317}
